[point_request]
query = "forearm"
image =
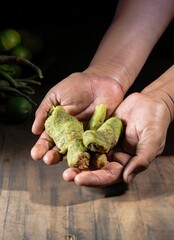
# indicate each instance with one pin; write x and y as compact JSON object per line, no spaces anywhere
{"x":134,"y":31}
{"x":163,"y":89}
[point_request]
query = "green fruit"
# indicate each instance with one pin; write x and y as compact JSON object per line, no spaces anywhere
{"x":22,"y":51}
{"x":9,"y":38}
{"x":18,"y":108}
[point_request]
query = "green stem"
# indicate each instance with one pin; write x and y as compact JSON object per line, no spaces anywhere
{"x":14,"y":90}
{"x":27,"y":89}
{"x":9,"y":78}
{"x":31,"y":81}
{"x":19,"y":85}
{"x":20,"y":60}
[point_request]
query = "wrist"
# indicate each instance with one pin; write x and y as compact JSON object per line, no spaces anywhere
{"x":118,"y":72}
{"x":163,"y":89}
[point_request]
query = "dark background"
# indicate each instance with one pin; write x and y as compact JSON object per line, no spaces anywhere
{"x":72,"y":31}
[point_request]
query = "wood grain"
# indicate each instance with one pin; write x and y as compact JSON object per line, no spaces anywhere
{"x":36,"y":204}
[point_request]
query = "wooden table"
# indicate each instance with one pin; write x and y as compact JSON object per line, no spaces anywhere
{"x":36,"y":203}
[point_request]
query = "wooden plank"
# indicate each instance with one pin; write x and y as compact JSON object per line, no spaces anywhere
{"x":35,"y":202}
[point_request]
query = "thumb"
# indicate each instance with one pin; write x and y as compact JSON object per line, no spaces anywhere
{"x":140,"y":162}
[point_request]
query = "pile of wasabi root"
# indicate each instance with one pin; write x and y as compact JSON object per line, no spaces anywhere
{"x":84,"y":148}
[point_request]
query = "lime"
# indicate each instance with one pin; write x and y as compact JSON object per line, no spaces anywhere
{"x":9,"y":38}
{"x":18,"y":108}
{"x":22,"y":51}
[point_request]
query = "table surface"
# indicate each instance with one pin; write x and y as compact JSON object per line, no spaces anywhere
{"x":36,"y":203}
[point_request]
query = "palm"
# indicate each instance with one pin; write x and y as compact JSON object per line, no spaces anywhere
{"x":81,"y":92}
{"x":78,"y":94}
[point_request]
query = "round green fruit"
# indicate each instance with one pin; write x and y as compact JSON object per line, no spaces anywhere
{"x":18,"y":108}
{"x":9,"y":38}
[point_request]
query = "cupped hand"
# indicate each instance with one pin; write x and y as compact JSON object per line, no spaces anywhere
{"x":146,"y":119}
{"x":110,"y":174}
{"x":79,"y":93}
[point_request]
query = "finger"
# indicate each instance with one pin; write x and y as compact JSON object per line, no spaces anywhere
{"x":52,"y":156}
{"x":140,"y":162}
{"x":42,"y":112}
{"x":38,"y":124}
{"x":110,"y":174}
{"x":43,"y":145}
{"x":70,"y":173}
{"x":117,"y":155}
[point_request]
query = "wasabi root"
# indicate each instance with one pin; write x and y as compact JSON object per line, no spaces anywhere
{"x":99,"y":160}
{"x":105,"y":137}
{"x":77,"y":155}
{"x":84,"y":148}
{"x":66,"y":132}
{"x":97,"y":118}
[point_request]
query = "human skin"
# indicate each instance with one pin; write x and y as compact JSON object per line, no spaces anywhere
{"x":134,"y":31}
{"x":146,"y":117}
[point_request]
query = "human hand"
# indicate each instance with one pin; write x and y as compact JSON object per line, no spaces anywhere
{"x":78,"y":94}
{"x":146,"y":119}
